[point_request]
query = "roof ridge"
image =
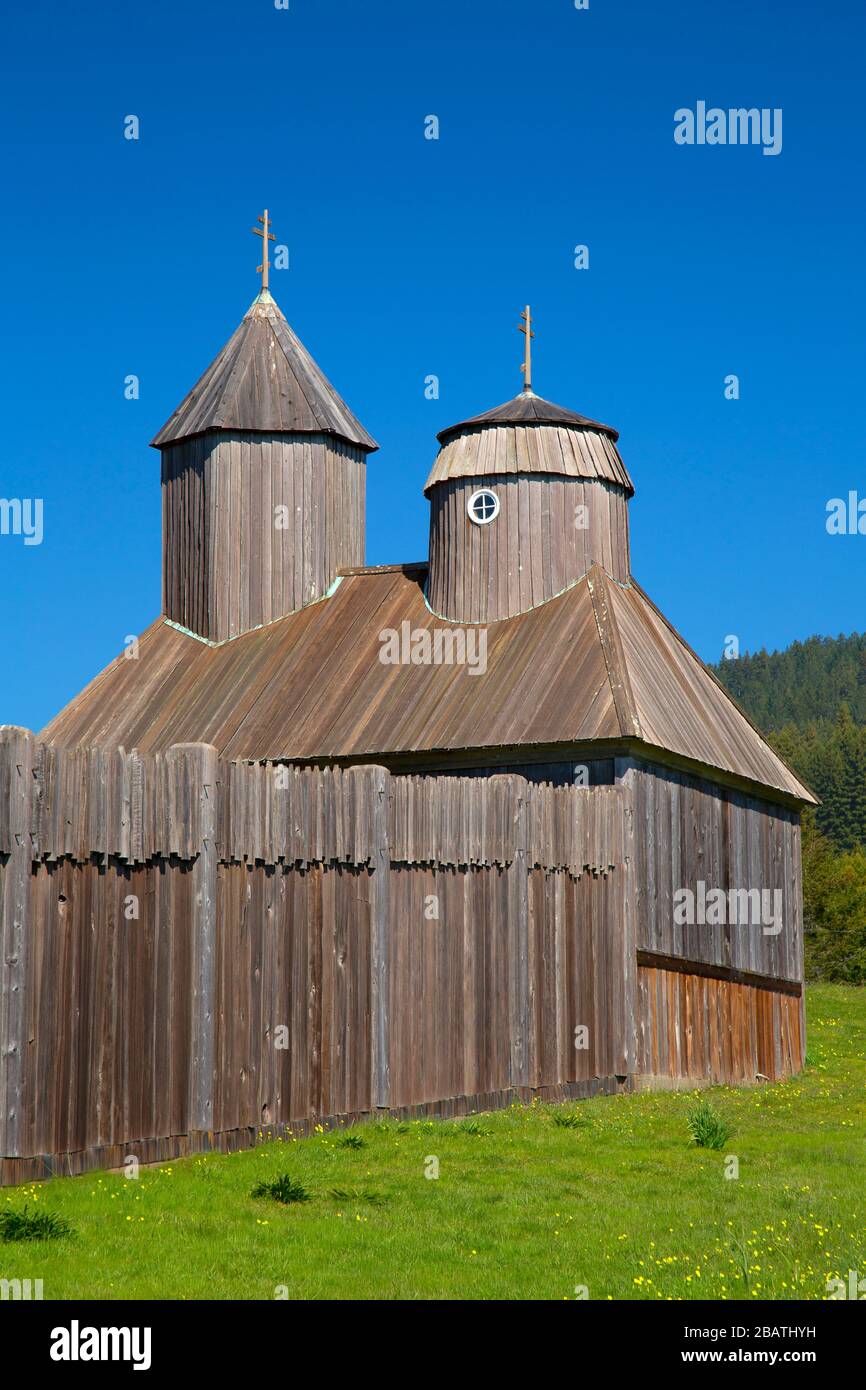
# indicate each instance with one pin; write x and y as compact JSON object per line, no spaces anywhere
{"x":400,"y":567}
{"x":303,"y":384}
{"x":239,"y":368}
{"x":304,"y":368}
{"x":614,"y":653}
{"x":723,"y":688}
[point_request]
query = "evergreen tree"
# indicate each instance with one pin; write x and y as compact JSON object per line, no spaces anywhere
{"x":810,"y":701}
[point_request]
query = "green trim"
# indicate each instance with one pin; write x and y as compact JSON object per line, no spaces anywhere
{"x":206,"y":641}
{"x":491,"y":622}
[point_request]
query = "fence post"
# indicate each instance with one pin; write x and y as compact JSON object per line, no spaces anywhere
{"x":16,"y":799}
{"x":380,"y":943}
{"x":520,"y":983}
{"x":196,"y":772}
{"x":372,"y":793}
{"x":624,"y":889}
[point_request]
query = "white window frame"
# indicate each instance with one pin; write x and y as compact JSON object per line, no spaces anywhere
{"x":482,"y":520}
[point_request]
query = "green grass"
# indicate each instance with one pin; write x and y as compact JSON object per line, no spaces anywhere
{"x":709,"y":1129}
{"x":16,"y":1225}
{"x":525,"y":1206}
{"x":285,"y":1189}
{"x":352,"y":1140}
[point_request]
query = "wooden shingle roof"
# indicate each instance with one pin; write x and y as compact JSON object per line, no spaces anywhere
{"x":481,"y":451}
{"x":264,"y":380}
{"x":529,"y":435}
{"x":529,"y":409}
{"x":596,"y":665}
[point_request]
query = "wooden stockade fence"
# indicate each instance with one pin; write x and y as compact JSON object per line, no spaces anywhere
{"x":134,"y":807}
{"x":196,"y":951}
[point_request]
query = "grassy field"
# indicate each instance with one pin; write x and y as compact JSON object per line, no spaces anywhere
{"x":622,"y":1203}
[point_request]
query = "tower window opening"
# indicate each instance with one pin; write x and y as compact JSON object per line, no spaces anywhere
{"x":483,"y":506}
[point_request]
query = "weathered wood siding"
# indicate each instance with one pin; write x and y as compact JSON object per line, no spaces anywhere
{"x":701,"y":1028}
{"x":216,"y":950}
{"x":690,"y":832}
{"x":292,"y":993}
{"x":508,"y":968}
{"x":198,"y":951}
{"x":538,"y":544}
{"x":108,"y":1007}
{"x":231,"y":562}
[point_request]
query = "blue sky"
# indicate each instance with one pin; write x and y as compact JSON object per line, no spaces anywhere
{"x":411,"y":257}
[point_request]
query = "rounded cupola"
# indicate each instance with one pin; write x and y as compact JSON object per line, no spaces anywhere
{"x":524,"y":499}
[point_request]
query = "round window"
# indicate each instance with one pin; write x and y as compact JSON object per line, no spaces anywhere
{"x":483,"y":506}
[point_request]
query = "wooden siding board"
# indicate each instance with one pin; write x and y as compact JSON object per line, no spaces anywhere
{"x":226,"y":568}
{"x":698,"y":832}
{"x":17,"y":756}
{"x":530,"y":552}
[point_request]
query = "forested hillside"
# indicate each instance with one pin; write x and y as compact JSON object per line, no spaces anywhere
{"x":806,"y":683}
{"x":810,"y":701}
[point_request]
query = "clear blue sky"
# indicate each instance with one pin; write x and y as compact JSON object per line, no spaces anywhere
{"x":411,"y":257}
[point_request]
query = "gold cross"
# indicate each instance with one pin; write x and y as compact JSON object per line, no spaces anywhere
{"x":526,"y":364}
{"x":266,"y":236}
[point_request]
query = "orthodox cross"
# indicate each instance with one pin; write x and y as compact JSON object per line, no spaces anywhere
{"x":266,"y":236}
{"x":526,"y":365}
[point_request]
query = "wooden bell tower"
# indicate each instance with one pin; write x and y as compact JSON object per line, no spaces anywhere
{"x":263,"y":481}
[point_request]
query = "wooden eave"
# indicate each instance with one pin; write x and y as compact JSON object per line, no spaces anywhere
{"x":264,"y":381}
{"x":592,"y":668}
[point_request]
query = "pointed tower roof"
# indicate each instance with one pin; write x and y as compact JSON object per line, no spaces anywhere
{"x":264,"y":380}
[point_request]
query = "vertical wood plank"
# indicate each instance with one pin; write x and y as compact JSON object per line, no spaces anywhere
{"x":16,"y":777}
{"x":197,"y":767}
